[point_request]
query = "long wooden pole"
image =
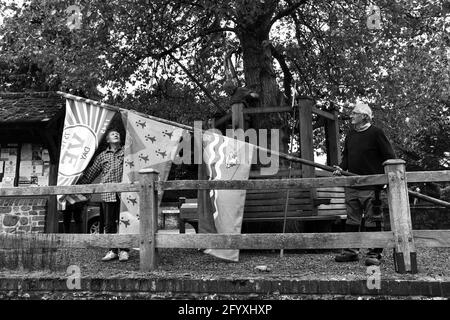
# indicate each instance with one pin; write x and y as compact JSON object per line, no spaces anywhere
{"x":280,"y":154}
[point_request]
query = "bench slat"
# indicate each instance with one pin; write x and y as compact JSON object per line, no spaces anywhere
{"x":321,"y":194}
{"x":276,"y":209}
{"x":254,"y":202}
{"x":332,"y":189}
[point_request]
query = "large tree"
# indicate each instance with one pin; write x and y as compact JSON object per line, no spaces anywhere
{"x":324,"y":48}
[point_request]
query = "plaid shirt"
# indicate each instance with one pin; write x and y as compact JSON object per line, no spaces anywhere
{"x":110,"y":165}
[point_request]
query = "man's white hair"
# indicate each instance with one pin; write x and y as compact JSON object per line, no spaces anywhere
{"x":363,"y":108}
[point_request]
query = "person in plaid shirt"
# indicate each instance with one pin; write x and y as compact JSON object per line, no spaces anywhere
{"x":109,"y":164}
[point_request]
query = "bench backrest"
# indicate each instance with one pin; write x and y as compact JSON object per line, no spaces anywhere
{"x":271,"y":204}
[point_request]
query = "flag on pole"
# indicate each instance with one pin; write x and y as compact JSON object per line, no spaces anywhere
{"x":148,"y":143}
{"x":225,"y":159}
{"x":84,"y":126}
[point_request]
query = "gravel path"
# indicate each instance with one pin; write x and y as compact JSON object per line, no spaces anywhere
{"x":434,"y":264}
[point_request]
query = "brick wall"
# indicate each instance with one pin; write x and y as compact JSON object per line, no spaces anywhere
{"x":20,"y":215}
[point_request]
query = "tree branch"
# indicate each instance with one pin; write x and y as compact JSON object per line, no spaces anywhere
{"x":287,"y":80}
{"x":287,"y":11}
{"x":192,"y":77}
{"x":189,"y":39}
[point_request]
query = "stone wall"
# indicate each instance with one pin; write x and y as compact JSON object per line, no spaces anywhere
{"x":20,"y":215}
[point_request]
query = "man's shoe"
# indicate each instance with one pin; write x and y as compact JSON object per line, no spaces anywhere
{"x":111,"y":255}
{"x":123,"y":255}
{"x":346,"y":257}
{"x":373,"y":260}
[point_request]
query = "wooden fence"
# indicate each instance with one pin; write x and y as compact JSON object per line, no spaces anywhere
{"x":402,"y":238}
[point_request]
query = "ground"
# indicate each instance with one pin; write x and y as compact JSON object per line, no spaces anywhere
{"x":184,"y":264}
{"x":191,"y":264}
{"x":434,"y":264}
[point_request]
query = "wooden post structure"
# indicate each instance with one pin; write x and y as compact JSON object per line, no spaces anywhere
{"x":201,"y":194}
{"x":306,"y":137}
{"x":51,"y":221}
{"x":400,"y":217}
{"x":332,"y":138}
{"x":237,"y":119}
{"x":306,"y":143}
{"x":148,"y":222}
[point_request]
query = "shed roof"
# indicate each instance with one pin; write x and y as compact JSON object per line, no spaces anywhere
{"x":29,"y":106}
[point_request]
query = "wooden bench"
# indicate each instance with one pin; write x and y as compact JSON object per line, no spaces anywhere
{"x":269,"y":205}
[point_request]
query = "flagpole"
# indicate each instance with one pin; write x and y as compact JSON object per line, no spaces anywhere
{"x":280,"y":154}
{"x":190,"y":129}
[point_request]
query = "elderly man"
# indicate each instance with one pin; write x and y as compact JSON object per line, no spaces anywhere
{"x":366,"y":148}
{"x":109,"y":164}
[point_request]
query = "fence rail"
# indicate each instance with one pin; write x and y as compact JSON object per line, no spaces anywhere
{"x":257,"y":241}
{"x":402,"y":238}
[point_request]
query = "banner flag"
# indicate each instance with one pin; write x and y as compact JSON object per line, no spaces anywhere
{"x":84,"y":126}
{"x":226,"y":159}
{"x":148,"y":143}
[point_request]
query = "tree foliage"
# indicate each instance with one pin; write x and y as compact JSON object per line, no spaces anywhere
{"x":133,"y":50}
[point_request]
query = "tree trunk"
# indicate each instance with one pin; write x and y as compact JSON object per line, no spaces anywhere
{"x":259,"y":72}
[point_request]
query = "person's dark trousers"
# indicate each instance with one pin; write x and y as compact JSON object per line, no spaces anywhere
{"x":111,"y":213}
{"x":75,"y":211}
{"x":374,"y":252}
{"x":351,"y":228}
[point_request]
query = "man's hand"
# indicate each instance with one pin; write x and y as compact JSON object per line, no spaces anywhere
{"x":338,"y":171}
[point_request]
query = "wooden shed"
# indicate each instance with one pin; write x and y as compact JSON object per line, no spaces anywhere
{"x":30,"y":138}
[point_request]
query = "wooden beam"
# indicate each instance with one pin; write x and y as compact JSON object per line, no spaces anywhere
{"x":432,"y":238}
{"x":303,"y":183}
{"x":278,"y":241}
{"x":214,"y":241}
{"x":67,"y":240}
{"x":324,"y":114}
{"x":57,"y":190}
{"x":423,"y":238}
{"x":267,"y":110}
{"x":428,"y":176}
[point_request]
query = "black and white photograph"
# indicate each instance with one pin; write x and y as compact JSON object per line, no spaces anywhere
{"x":225,"y":158}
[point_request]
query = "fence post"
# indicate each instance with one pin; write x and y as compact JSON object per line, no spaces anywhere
{"x":332,"y":140}
{"x":237,"y":119}
{"x":400,"y":217}
{"x":148,"y":218}
{"x":306,"y":144}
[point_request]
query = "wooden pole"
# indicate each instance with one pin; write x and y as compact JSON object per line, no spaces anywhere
{"x":306,"y":137}
{"x":280,"y":154}
{"x":237,"y":119}
{"x":332,"y":138}
{"x":306,"y":144}
{"x":148,"y":213}
{"x":400,"y":217}
{"x":201,"y":170}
